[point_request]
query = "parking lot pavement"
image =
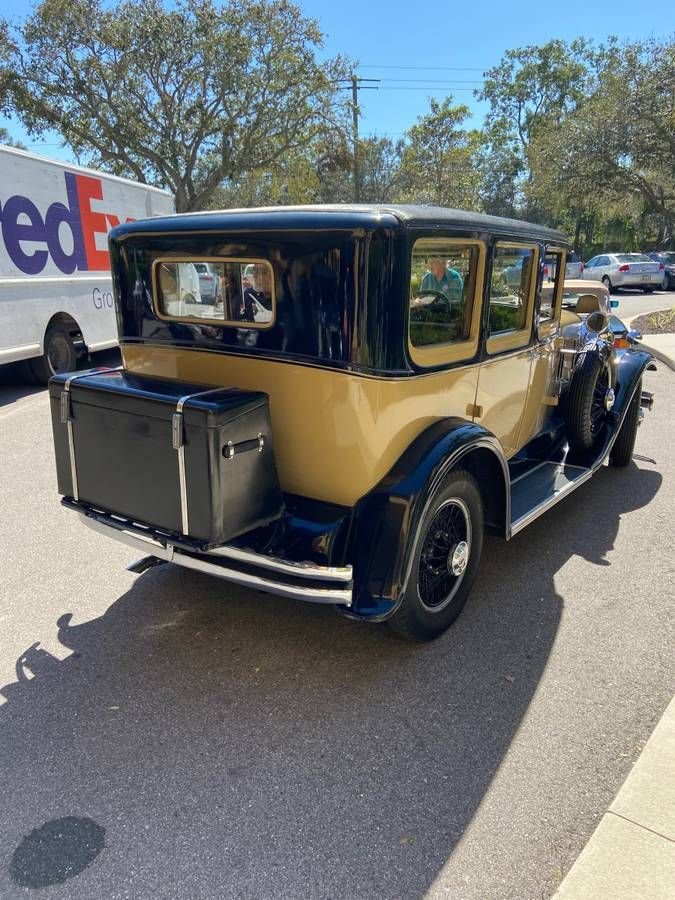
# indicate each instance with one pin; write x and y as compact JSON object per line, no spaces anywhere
{"x":169,"y":735}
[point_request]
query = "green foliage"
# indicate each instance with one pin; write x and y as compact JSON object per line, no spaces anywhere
{"x":8,"y":140}
{"x":185,"y":96}
{"x":440,"y":162}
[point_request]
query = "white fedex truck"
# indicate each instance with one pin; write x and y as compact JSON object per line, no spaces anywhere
{"x":56,"y":297}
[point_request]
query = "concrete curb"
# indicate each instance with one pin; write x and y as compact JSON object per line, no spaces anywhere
{"x":632,"y":851}
{"x":661,"y":355}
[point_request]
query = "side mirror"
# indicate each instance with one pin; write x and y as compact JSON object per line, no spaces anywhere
{"x":596,"y":322}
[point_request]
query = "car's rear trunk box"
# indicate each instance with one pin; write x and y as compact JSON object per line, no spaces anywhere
{"x":182,"y":458}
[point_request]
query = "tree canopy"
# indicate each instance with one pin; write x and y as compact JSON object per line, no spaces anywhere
{"x":185,"y":97}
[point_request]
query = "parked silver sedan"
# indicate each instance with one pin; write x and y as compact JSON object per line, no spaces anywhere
{"x":617,"y":270}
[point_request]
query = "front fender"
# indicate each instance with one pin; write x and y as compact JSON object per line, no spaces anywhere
{"x":385,"y":521}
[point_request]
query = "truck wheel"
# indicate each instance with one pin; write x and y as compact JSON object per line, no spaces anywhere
{"x":445,"y":560}
{"x":59,"y":356}
{"x":589,"y":399}
{"x":622,"y":451}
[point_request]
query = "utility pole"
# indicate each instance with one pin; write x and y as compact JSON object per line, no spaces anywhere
{"x":356,"y":84}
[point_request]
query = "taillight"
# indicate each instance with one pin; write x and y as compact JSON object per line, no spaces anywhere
{"x":661,"y":267}
{"x":624,"y":268}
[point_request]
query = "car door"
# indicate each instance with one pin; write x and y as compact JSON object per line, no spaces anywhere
{"x":504,"y":378}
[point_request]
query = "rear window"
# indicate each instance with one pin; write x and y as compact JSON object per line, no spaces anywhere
{"x":242,"y":291}
{"x":633,"y":257}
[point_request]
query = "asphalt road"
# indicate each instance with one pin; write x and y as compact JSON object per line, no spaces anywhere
{"x":634,"y":303}
{"x":169,"y":735}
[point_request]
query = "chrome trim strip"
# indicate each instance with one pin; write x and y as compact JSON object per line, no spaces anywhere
{"x":179,"y":446}
{"x":169,"y":553}
{"x":299,"y":569}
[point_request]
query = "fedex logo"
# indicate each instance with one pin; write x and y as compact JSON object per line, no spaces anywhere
{"x":31,"y":239}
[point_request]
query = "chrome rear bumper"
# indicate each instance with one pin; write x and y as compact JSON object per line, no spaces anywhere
{"x":298,"y":581}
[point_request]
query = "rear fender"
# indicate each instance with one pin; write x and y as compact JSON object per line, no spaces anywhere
{"x":386,"y":520}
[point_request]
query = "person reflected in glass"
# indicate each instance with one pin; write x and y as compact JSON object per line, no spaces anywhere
{"x":247,"y":301}
{"x":441,"y":279}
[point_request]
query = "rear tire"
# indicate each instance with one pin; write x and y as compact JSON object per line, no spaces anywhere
{"x":586,"y":415}
{"x":59,"y":355}
{"x":622,"y":452}
{"x":445,"y":560}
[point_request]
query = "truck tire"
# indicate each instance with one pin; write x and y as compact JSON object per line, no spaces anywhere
{"x":59,"y":355}
{"x":622,"y":451}
{"x":586,"y":413}
{"x":445,"y":560}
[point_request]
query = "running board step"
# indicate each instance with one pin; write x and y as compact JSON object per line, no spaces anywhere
{"x":541,"y":488}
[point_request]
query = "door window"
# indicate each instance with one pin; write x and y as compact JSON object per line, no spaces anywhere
{"x":512,"y":286}
{"x":552,"y":276}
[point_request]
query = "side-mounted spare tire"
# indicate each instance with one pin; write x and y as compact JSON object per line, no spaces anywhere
{"x":589,"y":399}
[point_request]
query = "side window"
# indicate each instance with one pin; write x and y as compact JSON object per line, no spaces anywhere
{"x":553,"y":273}
{"x":591,"y":263}
{"x":442,"y":291}
{"x":510,"y":285}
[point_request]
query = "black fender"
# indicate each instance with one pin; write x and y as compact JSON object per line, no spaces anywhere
{"x":386,"y":520}
{"x":629,"y":367}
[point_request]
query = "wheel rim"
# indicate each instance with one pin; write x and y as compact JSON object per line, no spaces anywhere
{"x":445,"y":554}
{"x":58,"y":354}
{"x":600,"y":400}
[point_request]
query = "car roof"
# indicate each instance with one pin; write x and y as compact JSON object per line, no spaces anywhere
{"x":344,"y":215}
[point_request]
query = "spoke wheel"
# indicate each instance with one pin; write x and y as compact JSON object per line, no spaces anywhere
{"x":445,"y":555}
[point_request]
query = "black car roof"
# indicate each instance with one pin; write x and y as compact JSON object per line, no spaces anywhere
{"x":340,"y":216}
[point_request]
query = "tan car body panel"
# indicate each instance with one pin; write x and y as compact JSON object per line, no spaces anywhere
{"x":336,"y":434}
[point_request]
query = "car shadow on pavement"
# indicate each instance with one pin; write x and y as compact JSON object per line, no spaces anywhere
{"x":207,"y":741}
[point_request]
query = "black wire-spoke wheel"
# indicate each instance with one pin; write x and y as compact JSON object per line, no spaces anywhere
{"x":445,"y":555}
{"x":599,"y":402}
{"x":443,"y":559}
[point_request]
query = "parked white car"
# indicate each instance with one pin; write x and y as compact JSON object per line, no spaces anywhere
{"x":208,"y":281}
{"x":617,"y":270}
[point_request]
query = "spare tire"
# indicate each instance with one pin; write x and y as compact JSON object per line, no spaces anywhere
{"x":589,"y":399}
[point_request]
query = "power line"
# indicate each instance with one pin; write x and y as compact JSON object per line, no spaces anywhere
{"x":427,"y":68}
{"x":437,"y":80}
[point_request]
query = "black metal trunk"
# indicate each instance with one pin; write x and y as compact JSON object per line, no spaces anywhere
{"x":187,"y":459}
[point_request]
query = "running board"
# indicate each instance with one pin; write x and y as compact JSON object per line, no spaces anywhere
{"x":546,"y":484}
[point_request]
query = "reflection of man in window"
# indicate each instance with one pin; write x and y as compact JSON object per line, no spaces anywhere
{"x":442,"y":279}
{"x":244,"y":302}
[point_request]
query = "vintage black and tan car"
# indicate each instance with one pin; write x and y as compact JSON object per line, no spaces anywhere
{"x":366,"y":390}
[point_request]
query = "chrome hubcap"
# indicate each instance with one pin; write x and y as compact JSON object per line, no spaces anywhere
{"x":458,"y":558}
{"x":609,"y":399}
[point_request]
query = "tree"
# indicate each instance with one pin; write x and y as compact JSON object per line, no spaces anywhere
{"x":8,"y":140}
{"x":617,"y":149}
{"x":440,"y":163}
{"x":530,"y":92}
{"x":184,"y":97}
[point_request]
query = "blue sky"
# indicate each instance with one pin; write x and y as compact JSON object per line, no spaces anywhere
{"x":435,"y":48}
